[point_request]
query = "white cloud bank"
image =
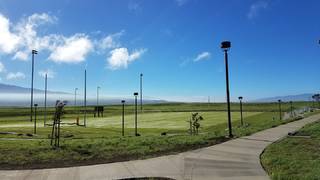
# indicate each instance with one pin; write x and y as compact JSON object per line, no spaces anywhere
{"x":19,"y":39}
{"x":202,"y":56}
{"x":120,"y":58}
{"x":74,"y":50}
{"x":15,"y":76}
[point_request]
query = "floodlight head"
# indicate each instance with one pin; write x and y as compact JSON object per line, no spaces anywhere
{"x":279,"y":100}
{"x":141,"y":74}
{"x":135,"y":94}
{"x":123,"y":101}
{"x":76,"y":89}
{"x":34,"y":52}
{"x":225,"y":45}
{"x":35,"y":105}
{"x":240,"y":97}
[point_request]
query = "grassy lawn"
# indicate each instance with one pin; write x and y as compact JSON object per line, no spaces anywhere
{"x":101,"y":140}
{"x":295,"y":157}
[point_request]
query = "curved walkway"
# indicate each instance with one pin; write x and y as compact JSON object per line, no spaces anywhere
{"x":235,"y":159}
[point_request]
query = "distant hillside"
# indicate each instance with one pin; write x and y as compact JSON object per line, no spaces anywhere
{"x":11,"y":95}
{"x":298,"y":97}
{"x":6,"y":88}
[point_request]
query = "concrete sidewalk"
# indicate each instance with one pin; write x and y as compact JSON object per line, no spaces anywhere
{"x":236,"y":159}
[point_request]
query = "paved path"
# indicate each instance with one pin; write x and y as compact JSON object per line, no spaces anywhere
{"x":236,"y":159}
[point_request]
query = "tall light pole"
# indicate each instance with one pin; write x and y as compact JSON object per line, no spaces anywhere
{"x":225,"y":46}
{"x":123,"y":101}
{"x":45,"y":99}
{"x":32,"y":72}
{"x":136,"y":114}
{"x":98,"y":88}
{"x":141,"y":75}
{"x":85,"y":98}
{"x":240,"y":99}
{"x":279,"y":101}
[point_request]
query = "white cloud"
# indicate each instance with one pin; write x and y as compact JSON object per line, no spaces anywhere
{"x":120,"y":57}
{"x":49,"y":72}
{"x":255,"y":8}
{"x":74,"y":49}
{"x":110,"y":41}
{"x":202,"y":56}
{"x":15,"y":76}
{"x":2,"y":68}
{"x":8,"y":41}
{"x":20,"y":55}
{"x":21,"y":38}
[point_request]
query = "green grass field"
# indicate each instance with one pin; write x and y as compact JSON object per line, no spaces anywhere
{"x":101,"y":140}
{"x":295,"y":157}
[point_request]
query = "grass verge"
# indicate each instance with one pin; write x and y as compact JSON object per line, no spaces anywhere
{"x":295,"y":157}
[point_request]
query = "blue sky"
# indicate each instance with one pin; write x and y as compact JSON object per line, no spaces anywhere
{"x":174,"y":43}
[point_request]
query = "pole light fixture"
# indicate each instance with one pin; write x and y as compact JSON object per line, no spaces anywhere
{"x":280,"y":116}
{"x":32,"y":74}
{"x":98,"y":88}
{"x":240,"y":99}
{"x":136,"y":114}
{"x":123,"y":101}
{"x":35,"y":118}
{"x":225,"y":46}
{"x":141,"y":75}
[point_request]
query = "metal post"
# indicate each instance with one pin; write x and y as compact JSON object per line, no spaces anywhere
{"x":141,"y":75}
{"x":32,"y":74}
{"x":123,"y":101}
{"x":291,"y":108}
{"x":240,"y":98}
{"x":75,"y":104}
{"x":98,"y":88}
{"x":35,"y":119}
{"x":85,"y":98}
{"x":45,"y":100}
{"x":228,"y":94}
{"x":136,"y":114}
{"x":280,"y":109}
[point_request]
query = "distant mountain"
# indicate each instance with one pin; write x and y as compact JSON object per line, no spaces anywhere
{"x":298,"y":97}
{"x":7,"y":88}
{"x":11,"y":95}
